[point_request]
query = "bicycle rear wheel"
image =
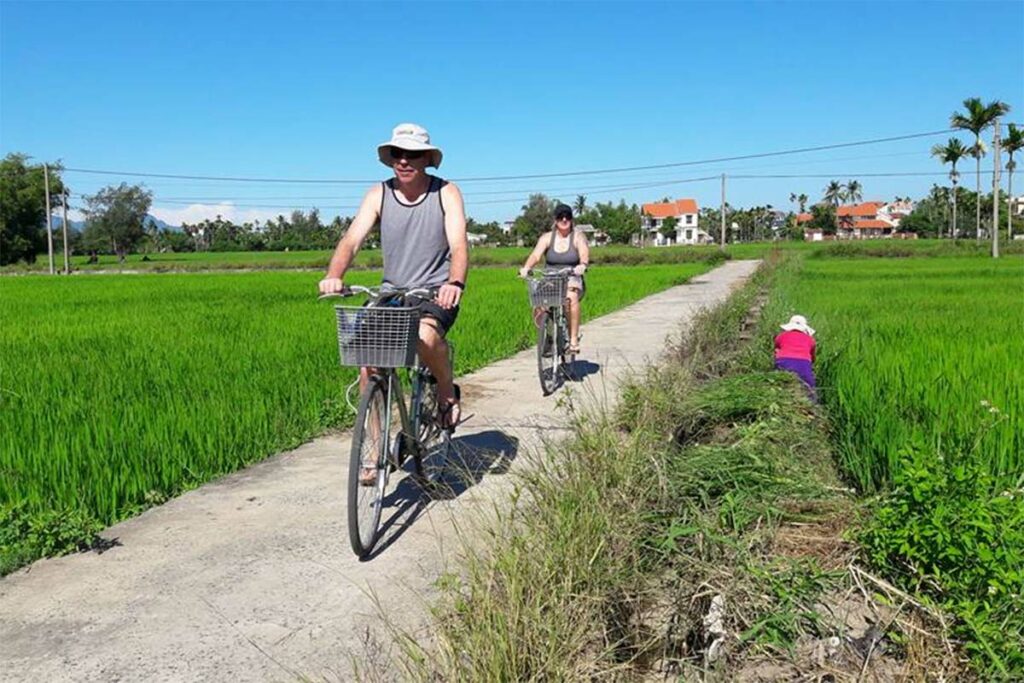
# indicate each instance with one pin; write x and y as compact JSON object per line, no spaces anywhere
{"x":547,"y":353}
{"x":374,"y":444}
{"x":427,"y":426}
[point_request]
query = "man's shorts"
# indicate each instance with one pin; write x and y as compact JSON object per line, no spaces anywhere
{"x":445,"y":317}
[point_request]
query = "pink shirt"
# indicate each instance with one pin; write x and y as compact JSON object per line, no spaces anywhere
{"x":794,"y":344}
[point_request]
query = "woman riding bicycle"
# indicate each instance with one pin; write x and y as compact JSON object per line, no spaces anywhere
{"x":564,"y":247}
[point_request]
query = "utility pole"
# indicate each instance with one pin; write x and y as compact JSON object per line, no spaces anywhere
{"x":995,"y":191}
{"x":723,"y":212}
{"x":67,"y":265}
{"x":954,"y":176}
{"x":49,"y":224}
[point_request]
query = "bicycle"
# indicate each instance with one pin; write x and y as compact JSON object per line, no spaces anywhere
{"x":548,"y":290}
{"x":383,"y":336}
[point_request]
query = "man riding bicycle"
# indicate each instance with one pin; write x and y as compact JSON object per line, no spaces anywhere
{"x":423,"y":242}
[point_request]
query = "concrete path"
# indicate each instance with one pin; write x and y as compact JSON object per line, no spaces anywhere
{"x":250,"y":578}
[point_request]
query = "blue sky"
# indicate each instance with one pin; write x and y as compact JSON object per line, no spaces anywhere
{"x":303,"y":90}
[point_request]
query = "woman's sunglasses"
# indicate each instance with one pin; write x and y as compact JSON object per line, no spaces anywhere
{"x":410,"y":154}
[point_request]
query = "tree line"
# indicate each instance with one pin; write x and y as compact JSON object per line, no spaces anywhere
{"x":118,"y":220}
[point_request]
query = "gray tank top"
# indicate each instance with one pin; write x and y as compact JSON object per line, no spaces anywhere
{"x":569,"y":257}
{"x":412,"y":239}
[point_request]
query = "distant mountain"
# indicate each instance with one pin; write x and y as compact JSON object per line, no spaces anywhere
{"x":58,"y":224}
{"x":80,"y":225}
{"x":162,"y":225}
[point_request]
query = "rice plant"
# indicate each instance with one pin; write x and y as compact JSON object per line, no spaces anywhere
{"x":918,"y":353}
{"x":119,"y":391}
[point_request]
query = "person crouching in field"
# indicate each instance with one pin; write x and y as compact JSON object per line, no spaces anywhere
{"x":795,"y":351}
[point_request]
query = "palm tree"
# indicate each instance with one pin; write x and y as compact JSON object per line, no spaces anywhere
{"x":580,"y":205}
{"x":977,"y":117}
{"x":803,"y":202}
{"x":1014,"y":142}
{"x":833,"y":193}
{"x":950,"y":153}
{"x":853,"y":191}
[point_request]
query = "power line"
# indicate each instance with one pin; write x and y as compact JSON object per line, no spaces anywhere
{"x":562,"y":174}
{"x":521,"y":195}
{"x":918,"y":174}
{"x":516,"y":193}
{"x":547,"y":190}
{"x":217,"y":178}
{"x":701,"y":162}
{"x":187,"y":185}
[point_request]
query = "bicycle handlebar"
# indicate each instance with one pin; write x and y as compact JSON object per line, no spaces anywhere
{"x":548,"y":272}
{"x":375,"y":292}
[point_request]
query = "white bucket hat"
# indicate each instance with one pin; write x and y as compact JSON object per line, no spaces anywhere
{"x":798,"y":322}
{"x":410,"y":137}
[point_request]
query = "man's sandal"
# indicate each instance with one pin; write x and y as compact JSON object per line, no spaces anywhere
{"x":445,"y":410}
{"x":368,"y":476}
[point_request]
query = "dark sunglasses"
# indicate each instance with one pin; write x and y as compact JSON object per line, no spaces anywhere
{"x":410,"y":154}
{"x":564,"y":218}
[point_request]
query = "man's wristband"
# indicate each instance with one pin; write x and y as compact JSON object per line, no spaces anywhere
{"x":460,"y":285}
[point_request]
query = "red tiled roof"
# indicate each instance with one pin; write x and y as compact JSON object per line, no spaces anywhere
{"x":864,"y":209}
{"x":872,"y":225}
{"x":666,"y":209}
{"x":803,"y":217}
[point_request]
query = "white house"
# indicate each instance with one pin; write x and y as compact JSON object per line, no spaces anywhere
{"x":686,"y":214}
{"x":1017,"y":206}
{"x":867,"y":220}
{"x":594,"y":236}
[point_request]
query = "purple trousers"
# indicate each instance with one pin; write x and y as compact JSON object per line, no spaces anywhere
{"x":802,"y":369}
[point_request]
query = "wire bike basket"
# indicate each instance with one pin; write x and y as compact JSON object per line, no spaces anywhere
{"x":549,"y":290}
{"x":378,"y":336}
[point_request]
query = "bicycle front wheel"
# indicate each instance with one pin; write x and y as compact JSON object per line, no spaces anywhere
{"x":567,"y":359}
{"x":547,"y":353}
{"x":374,"y":441}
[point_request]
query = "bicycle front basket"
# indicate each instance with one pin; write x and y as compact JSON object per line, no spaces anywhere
{"x":549,"y":290}
{"x":378,"y":336}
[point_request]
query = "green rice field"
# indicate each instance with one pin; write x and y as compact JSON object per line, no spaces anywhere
{"x":119,"y":391}
{"x":925,"y":352}
{"x":367,"y":258}
{"x":921,"y":370}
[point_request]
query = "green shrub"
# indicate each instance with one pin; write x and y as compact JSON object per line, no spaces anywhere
{"x":947,"y":531}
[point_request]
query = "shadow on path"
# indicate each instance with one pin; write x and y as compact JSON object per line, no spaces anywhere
{"x":471,"y":458}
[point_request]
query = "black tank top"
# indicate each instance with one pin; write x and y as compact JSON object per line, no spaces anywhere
{"x":569,"y":257}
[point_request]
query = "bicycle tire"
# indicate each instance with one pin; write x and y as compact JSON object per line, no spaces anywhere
{"x":366,"y":502}
{"x":547,"y":361}
{"x":427,"y":427}
{"x":566,"y":358}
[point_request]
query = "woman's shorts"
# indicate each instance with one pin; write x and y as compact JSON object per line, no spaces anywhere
{"x":576,"y":281}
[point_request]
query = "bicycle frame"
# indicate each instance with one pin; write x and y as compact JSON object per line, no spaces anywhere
{"x":410,"y":413}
